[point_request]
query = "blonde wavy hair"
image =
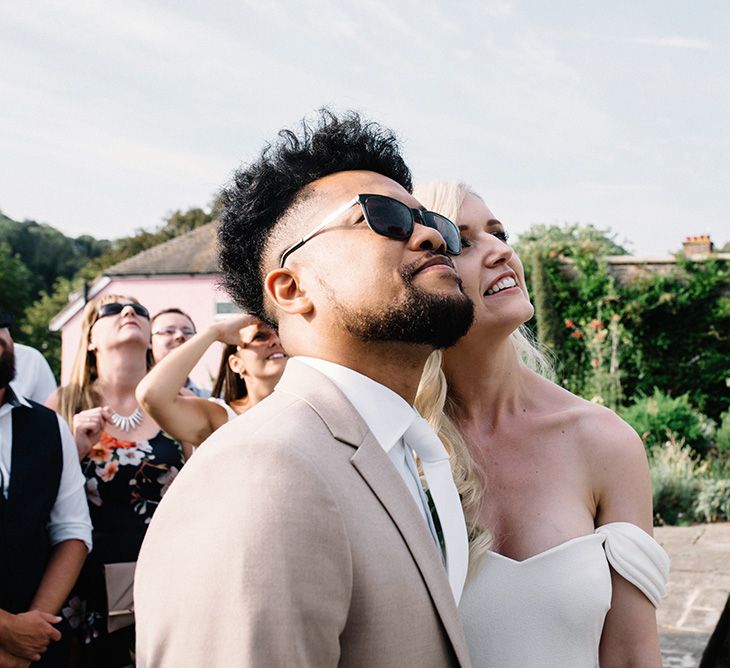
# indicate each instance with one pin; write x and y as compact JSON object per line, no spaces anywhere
{"x":432,"y":398}
{"x":79,"y":394}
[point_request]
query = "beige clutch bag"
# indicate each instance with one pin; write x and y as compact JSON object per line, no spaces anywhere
{"x":119,"y":580}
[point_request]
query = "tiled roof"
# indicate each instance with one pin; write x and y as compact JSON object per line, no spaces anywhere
{"x":191,"y":253}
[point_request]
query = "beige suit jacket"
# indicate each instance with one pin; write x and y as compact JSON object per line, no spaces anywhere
{"x":289,"y":539}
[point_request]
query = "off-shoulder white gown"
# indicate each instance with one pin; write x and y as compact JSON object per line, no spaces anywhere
{"x":548,"y":611}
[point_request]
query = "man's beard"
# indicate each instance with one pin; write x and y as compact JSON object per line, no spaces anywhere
{"x":7,"y":367}
{"x":420,"y":317}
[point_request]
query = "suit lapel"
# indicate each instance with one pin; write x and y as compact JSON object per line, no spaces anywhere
{"x":378,"y":472}
{"x":373,"y":464}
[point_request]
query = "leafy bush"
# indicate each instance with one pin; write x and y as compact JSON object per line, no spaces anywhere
{"x":713,"y":501}
{"x":679,"y":326}
{"x":675,"y":472}
{"x":657,"y":416}
{"x":674,"y":324}
{"x":722,"y":435}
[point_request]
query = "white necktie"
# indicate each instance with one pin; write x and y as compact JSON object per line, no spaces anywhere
{"x":435,"y":461}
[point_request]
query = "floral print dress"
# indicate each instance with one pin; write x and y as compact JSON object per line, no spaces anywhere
{"x":125,"y":481}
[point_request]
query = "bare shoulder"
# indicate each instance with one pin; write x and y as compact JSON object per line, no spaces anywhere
{"x":599,"y":432}
{"x":610,"y":437}
{"x":54,"y":401}
{"x":613,"y":453}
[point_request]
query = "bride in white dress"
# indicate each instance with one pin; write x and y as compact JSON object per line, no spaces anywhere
{"x":560,"y":485}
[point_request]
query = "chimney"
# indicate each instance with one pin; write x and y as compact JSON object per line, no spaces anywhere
{"x":697,"y":246}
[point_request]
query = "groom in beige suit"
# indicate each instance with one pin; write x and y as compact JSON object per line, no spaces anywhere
{"x":299,"y":533}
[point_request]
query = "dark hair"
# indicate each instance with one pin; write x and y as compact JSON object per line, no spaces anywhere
{"x":172,"y":310}
{"x":229,"y":385}
{"x":265,"y":190}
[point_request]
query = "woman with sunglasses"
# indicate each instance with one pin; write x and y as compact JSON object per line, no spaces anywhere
{"x":129,"y":463}
{"x":559,"y":485}
{"x":251,"y":364}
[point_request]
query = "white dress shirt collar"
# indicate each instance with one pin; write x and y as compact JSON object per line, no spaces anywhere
{"x":14,"y":398}
{"x":386,"y":413}
{"x":388,"y":416}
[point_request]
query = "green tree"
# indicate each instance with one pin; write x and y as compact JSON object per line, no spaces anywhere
{"x":16,"y":282}
{"x":34,"y":327}
{"x":47,"y":252}
{"x":549,"y":326}
{"x":176,"y":223}
{"x":569,"y":240}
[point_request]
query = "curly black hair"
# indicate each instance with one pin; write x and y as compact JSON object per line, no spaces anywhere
{"x":264,"y":191}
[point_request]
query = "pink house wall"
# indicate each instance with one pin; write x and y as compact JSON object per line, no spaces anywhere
{"x":196,"y":295}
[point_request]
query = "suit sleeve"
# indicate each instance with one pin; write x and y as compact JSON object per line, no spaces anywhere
{"x":268,"y":574}
{"x":296,"y":570}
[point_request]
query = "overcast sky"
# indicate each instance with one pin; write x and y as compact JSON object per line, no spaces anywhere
{"x":616,"y":114}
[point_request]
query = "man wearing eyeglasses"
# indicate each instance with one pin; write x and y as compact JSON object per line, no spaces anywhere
{"x":307,"y":537}
{"x":172,"y":327}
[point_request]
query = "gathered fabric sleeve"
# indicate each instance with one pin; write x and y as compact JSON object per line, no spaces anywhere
{"x":636,"y":557}
{"x":232,"y":415}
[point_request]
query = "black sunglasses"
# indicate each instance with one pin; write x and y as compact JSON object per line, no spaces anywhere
{"x":390,"y":218}
{"x":115,"y":308}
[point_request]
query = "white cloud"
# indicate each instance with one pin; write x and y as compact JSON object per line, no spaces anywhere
{"x":146,"y":106}
{"x":674,"y":42}
{"x":635,"y":187}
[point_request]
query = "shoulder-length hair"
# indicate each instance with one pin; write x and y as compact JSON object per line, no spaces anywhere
{"x":80,"y":394}
{"x":229,"y":386}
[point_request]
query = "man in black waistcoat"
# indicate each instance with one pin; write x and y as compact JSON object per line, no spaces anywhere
{"x":45,"y":531}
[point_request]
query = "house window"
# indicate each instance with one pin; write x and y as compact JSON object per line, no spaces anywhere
{"x":224,"y":309}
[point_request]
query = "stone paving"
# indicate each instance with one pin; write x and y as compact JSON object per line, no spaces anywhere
{"x":699,"y":584}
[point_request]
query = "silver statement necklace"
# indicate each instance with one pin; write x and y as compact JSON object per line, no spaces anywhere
{"x":127,"y":422}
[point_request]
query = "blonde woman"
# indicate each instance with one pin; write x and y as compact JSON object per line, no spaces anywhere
{"x":559,"y":485}
{"x":129,"y":463}
{"x":251,"y":364}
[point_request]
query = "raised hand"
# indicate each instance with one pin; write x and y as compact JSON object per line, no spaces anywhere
{"x":87,"y":428}
{"x":228,"y":331}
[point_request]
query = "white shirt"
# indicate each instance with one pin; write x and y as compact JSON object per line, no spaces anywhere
{"x":69,"y":518}
{"x":33,"y":377}
{"x":387,"y":415}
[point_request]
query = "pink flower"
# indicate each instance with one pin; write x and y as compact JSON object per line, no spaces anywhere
{"x":74,"y":612}
{"x":596,"y":324}
{"x":92,"y":491}
{"x":569,"y":324}
{"x":166,"y":479}
{"x":108,"y":472}
{"x":129,"y":456}
{"x":575,"y":334}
